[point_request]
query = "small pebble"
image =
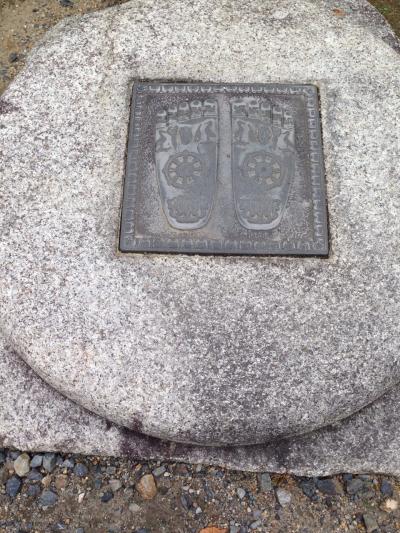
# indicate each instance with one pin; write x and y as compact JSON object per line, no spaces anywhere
{"x":326,"y":486}
{"x":186,"y":502}
{"x":36,"y":461}
{"x":241,"y":493}
{"x":134,"y":508}
{"x":33,"y":491}
{"x":34,"y":475}
{"x":61,"y":481}
{"x":22,"y":464}
{"x":284,"y":497}
{"x":81,"y":497}
{"x":390,"y":505}
{"x":309,"y":489}
{"x":66,"y":3}
{"x":146,"y":487}
{"x":13,"y":455}
{"x":370,"y":523}
{"x":354,"y":485}
{"x":115,"y":484}
{"x":68,"y":463}
{"x":209,"y":493}
{"x":46,"y":481}
{"x":142,"y":530}
{"x":265,"y":482}
{"x":59,"y":527}
{"x":386,"y":488}
{"x":80,"y":470}
{"x":49,"y":462}
{"x":107,"y":496}
{"x":80,"y":530}
{"x":13,"y":486}
{"x":368,"y":494}
{"x":48,"y":498}
{"x":13,"y":57}
{"x":159,"y":471}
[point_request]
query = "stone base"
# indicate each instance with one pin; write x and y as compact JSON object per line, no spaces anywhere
{"x":221,"y":354}
{"x":35,"y":417}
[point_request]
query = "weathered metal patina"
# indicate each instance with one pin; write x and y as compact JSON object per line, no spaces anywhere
{"x":224,"y":168}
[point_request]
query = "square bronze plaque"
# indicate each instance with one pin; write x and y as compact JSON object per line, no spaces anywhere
{"x":224,"y":168}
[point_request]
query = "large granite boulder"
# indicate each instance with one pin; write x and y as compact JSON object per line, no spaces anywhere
{"x":205,"y":350}
{"x":33,"y":416}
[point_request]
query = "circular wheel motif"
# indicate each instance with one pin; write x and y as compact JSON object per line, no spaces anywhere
{"x":183,"y":170}
{"x":263,"y":168}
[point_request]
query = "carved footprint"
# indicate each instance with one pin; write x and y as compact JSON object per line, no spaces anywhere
{"x":186,"y":162}
{"x":263,"y":161}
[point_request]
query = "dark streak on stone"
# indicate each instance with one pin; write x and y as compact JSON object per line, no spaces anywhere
{"x":7,"y":107}
{"x":137,"y":425}
{"x":134,"y":445}
{"x":282,"y":453}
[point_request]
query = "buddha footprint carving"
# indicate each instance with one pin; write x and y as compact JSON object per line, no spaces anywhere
{"x":263,"y":161}
{"x":186,"y":161}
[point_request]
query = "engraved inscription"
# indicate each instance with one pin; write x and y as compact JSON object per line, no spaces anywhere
{"x":186,"y":161}
{"x":263,"y":161}
{"x":224,"y":168}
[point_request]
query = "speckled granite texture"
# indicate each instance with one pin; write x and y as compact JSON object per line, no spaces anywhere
{"x":207,"y":350}
{"x":33,"y":416}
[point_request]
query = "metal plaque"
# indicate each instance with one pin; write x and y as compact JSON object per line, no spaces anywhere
{"x":224,"y":168}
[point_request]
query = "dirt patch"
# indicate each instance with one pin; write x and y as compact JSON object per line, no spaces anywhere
{"x":23,"y":23}
{"x":390,"y":9}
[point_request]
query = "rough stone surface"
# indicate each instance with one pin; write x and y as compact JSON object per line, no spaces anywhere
{"x":47,"y":498}
{"x":22,"y":465}
{"x":35,"y":417}
{"x":13,"y":486}
{"x":283,"y":496}
{"x":80,"y":470}
{"x":36,"y":461}
{"x":265,"y":482}
{"x":212,"y":349}
{"x":49,"y":461}
{"x":146,"y":487}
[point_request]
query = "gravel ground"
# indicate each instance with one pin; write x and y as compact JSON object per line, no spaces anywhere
{"x":48,"y":492}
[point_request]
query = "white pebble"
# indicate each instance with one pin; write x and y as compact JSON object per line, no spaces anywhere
{"x":284,"y":497}
{"x":390,"y":505}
